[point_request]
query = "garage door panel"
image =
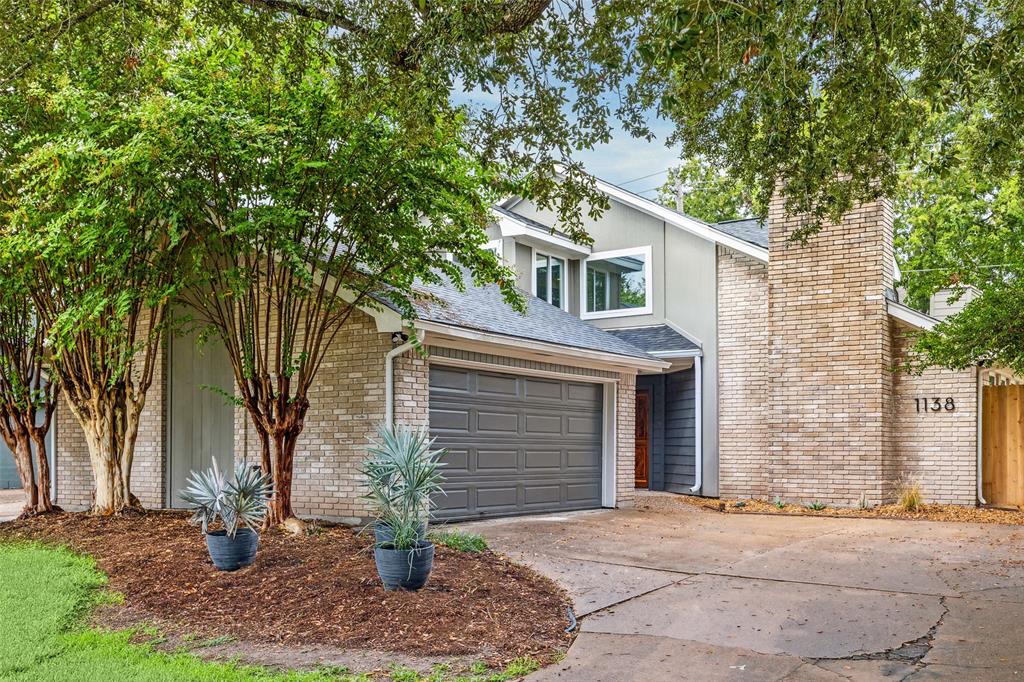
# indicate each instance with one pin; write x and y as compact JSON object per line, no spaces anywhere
{"x":582,"y":492}
{"x":543,"y":459}
{"x":497,"y":422}
{"x":543,"y":424}
{"x":497,"y":385}
{"x":520,"y":444}
{"x":541,"y":389}
{"x":581,"y":459}
{"x":497,"y":461}
{"x":449,"y":419}
{"x":442,"y":378}
{"x":543,"y":494}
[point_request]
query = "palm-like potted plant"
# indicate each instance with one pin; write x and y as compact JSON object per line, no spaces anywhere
{"x":403,"y":475}
{"x":239,"y":502}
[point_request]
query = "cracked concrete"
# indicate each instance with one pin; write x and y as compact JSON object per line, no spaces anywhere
{"x":685,"y":594}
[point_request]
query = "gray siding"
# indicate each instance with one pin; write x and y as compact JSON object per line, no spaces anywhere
{"x":685,"y":289}
{"x":679,"y":431}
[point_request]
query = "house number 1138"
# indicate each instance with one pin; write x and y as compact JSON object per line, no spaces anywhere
{"x":935,"y":404}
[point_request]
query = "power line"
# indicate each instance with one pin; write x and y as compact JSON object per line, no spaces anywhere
{"x":644,"y":177}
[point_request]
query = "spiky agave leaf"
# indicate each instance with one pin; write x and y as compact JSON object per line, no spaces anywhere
{"x":242,"y":499}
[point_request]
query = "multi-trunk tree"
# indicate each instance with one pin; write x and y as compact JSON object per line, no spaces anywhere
{"x":28,"y":397}
{"x":95,"y":241}
{"x":318,"y":198}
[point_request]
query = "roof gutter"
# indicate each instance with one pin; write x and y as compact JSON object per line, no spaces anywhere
{"x":563,"y":354}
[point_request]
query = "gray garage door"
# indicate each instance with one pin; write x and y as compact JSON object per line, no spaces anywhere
{"x":516,"y":444}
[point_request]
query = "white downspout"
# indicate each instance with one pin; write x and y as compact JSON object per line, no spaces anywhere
{"x":980,"y":411}
{"x":389,"y":378}
{"x":698,"y":427}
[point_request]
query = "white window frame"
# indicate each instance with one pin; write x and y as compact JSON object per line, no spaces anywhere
{"x":647,"y":253}
{"x":565,"y":275}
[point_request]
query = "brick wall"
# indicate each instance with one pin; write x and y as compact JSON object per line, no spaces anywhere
{"x":625,"y":441}
{"x":828,"y":363}
{"x":743,"y":469}
{"x":936,"y":449}
{"x":74,"y":473}
{"x":346,"y":404}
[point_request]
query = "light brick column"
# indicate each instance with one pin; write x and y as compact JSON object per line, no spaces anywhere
{"x":830,"y":356}
{"x":625,"y":440}
{"x":742,"y":375}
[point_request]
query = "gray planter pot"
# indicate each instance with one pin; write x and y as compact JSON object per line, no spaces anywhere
{"x":406,"y":569}
{"x":232,"y":553}
{"x":384,"y":533}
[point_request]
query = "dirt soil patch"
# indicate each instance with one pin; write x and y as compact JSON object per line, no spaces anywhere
{"x":927,"y":512}
{"x":317,"y":589}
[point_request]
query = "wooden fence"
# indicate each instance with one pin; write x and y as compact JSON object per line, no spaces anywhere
{"x":1002,"y":450}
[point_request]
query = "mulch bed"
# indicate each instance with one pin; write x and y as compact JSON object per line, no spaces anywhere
{"x":320,"y":588}
{"x":927,"y":512}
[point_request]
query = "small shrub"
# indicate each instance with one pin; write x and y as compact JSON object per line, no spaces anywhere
{"x":779,"y":504}
{"x":817,"y":506}
{"x":740,"y":505}
{"x":459,"y":540}
{"x":910,"y":498}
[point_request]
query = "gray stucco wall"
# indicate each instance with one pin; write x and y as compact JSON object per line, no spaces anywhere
{"x":684,"y":290}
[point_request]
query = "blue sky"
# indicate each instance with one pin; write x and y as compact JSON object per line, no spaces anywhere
{"x":625,"y":159}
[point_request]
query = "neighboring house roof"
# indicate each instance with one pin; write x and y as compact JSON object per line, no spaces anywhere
{"x":484,"y":309}
{"x":659,"y":339}
{"x":751,"y":230}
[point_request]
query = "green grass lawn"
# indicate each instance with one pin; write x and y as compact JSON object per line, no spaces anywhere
{"x":45,"y":594}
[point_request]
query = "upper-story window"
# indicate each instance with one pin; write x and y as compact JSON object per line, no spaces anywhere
{"x":549,"y":276}
{"x":617,"y":283}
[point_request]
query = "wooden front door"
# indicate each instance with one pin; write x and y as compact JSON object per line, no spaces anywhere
{"x":642,"y":437}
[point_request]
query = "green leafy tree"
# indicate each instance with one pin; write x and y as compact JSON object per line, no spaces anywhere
{"x":316,"y":199}
{"x":826,"y":101}
{"x":95,"y":241}
{"x":696,"y":188}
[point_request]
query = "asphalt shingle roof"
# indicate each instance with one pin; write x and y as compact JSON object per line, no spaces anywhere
{"x":751,"y":230}
{"x":655,"y":338}
{"x":484,"y":309}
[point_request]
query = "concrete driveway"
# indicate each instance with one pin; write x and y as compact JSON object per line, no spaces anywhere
{"x":11,"y":504}
{"x":684,"y":594}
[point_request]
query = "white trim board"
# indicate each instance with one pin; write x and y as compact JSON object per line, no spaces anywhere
{"x":910,"y":316}
{"x":684,"y":222}
{"x":514,"y":346}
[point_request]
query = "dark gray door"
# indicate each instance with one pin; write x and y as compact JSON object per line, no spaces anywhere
{"x":201,"y":421}
{"x":516,"y":444}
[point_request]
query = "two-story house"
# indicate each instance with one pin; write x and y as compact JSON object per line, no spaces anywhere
{"x":715,"y":360}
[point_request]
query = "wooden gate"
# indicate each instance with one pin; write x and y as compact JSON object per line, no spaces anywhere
{"x":1002,"y":450}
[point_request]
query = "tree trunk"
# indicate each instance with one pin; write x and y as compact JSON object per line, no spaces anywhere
{"x":23,"y":462}
{"x":285,"y":440}
{"x":106,"y":436}
{"x":45,"y":503}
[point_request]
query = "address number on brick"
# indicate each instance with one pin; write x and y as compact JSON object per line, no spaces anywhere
{"x":935,"y":404}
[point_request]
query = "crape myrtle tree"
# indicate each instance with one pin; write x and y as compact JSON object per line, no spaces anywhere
{"x":27,"y":397}
{"x":318,"y":198}
{"x":94,"y":238}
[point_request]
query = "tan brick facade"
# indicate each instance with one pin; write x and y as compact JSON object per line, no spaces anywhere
{"x":810,"y":405}
{"x":742,"y":375}
{"x":937,"y":449}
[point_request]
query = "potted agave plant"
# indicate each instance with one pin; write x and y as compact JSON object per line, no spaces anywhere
{"x":403,"y":475}
{"x":238,"y":502}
